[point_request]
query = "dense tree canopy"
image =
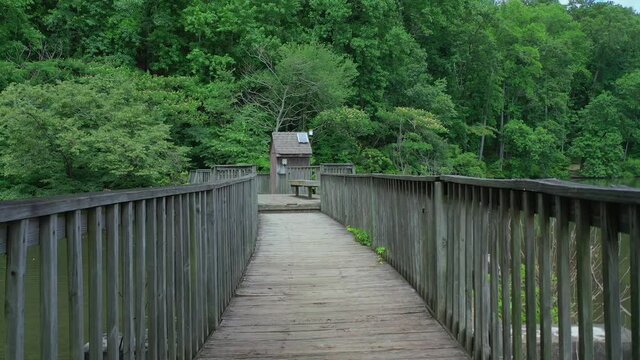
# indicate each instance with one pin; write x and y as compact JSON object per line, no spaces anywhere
{"x":113,"y":94}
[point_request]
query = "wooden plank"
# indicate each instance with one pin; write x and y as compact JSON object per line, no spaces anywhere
{"x":453,"y":247}
{"x":33,"y":208}
{"x":211,"y":262}
{"x":113,"y":288}
{"x":140,"y":277}
{"x":494,"y":240}
{"x":3,"y":238}
{"x":468,"y":224}
{"x":358,"y":323}
{"x":530,"y":276}
{"x":504,"y":239}
{"x":441,"y":250}
{"x":161,"y":281}
{"x":128,"y":302}
{"x":564,"y":282}
{"x":95,"y":233}
{"x":634,"y":254}
{"x":152,"y":278}
{"x":15,"y":289}
{"x":516,"y":281}
{"x":611,"y":282}
{"x":170,"y":278}
{"x":186,"y":254}
{"x":485,"y":300}
{"x":193,"y":284}
{"x":556,"y":188}
{"x":584,"y":287}
{"x":462,"y":274}
{"x":49,"y":287}
{"x":76,"y":285}
{"x":180,"y":293}
{"x":478,"y":275}
{"x":544,"y":263}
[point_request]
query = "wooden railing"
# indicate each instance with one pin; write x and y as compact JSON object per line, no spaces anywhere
{"x":154,"y":267}
{"x":508,"y":267}
{"x":337,"y":168}
{"x":220,"y":172}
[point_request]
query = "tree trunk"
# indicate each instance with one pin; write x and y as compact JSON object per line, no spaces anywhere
{"x":481,"y":152}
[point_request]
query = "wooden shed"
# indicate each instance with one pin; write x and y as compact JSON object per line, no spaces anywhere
{"x":288,"y":149}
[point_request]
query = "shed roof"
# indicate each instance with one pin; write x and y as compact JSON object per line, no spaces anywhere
{"x":286,"y":143}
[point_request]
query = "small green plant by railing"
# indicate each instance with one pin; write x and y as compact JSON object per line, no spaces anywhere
{"x":360,"y":235}
{"x":381,"y":251}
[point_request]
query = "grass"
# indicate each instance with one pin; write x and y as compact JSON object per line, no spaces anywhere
{"x":360,"y":235}
{"x":364,"y":239}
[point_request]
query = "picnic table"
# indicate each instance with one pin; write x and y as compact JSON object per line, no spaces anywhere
{"x":311,"y":185}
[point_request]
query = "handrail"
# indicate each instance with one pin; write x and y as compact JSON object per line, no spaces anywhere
{"x":174,"y":254}
{"x":496,"y":260}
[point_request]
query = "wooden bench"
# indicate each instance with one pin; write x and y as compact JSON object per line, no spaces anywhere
{"x":311,"y":185}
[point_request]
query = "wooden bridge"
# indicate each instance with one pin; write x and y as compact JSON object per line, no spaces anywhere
{"x":473,"y":268}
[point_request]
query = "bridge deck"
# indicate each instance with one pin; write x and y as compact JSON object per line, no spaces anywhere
{"x":312,"y":292}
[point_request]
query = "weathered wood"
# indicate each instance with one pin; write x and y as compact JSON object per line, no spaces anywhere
{"x":181,"y":342}
{"x":140,"y":272}
{"x":494,"y":239}
{"x":585,"y":306}
{"x":468,"y":224}
{"x":478,"y":275}
{"x":556,"y":188}
{"x":328,"y":304}
{"x":113,"y":288}
{"x":610,"y":277}
{"x":128,"y":302}
{"x":15,"y":289}
{"x":496,"y":246}
{"x":530,"y":276}
{"x":32,"y":208}
{"x":170,"y":277}
{"x":441,"y":250}
{"x":516,"y":281}
{"x":161,"y":279}
{"x":95,"y":230}
{"x":564,"y":282}
{"x":504,"y":237}
{"x":151,"y":244}
{"x":634,"y":254}
{"x":147,"y":263}
{"x":49,"y":287}
{"x":485,"y":294}
{"x":544,"y":263}
{"x":76,"y":285}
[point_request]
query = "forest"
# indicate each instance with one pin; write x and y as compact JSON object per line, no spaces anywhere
{"x":117,"y":94}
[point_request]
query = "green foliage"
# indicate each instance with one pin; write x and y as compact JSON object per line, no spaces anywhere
{"x":298,"y":82}
{"x":382,"y":253}
{"x":535,"y":152}
{"x":86,"y":135}
{"x":360,"y":236}
{"x":506,"y":89}
{"x":466,"y":164}
{"x":340,"y":134}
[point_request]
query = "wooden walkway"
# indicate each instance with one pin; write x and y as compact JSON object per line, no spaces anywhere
{"x":287,"y":202}
{"x":311,"y":292}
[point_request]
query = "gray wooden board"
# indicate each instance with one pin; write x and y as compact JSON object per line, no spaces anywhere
{"x":312,"y":292}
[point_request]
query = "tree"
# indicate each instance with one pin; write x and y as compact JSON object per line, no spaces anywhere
{"x":418,"y":147}
{"x":84,"y":135}
{"x":299,"y":82}
{"x":339,"y":134}
{"x":532,"y":152}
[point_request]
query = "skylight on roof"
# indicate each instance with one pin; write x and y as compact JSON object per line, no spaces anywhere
{"x":303,"y":138}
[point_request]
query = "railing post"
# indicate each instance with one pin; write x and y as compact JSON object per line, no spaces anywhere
{"x":440,"y":229}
